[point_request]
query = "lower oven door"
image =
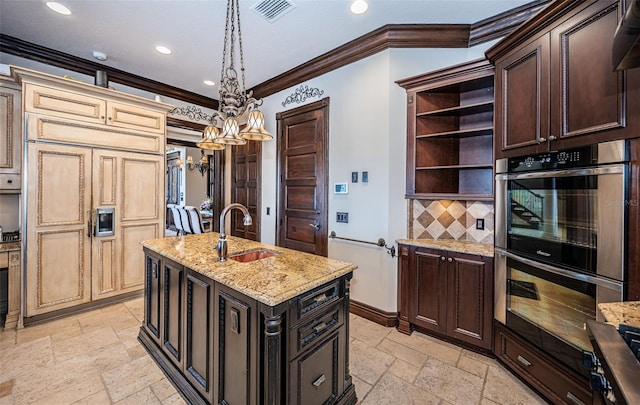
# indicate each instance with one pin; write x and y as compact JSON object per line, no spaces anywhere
{"x":550,"y":306}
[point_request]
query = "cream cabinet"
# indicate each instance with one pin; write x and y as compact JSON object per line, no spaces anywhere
{"x":10,"y":135}
{"x":88,"y":148}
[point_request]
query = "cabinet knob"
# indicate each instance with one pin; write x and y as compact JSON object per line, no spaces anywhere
{"x":102,"y":117}
{"x":450,"y":260}
{"x":543,"y":140}
{"x":552,"y":138}
{"x":9,"y":181}
{"x":442,"y":258}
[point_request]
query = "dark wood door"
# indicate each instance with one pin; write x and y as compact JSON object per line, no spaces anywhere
{"x":587,"y":96}
{"x":303,"y":135}
{"x":152,"y":295}
{"x":236,"y":340}
{"x":245,"y":188}
{"x":199,"y":345}
{"x":470,"y":298}
{"x":522,"y":100}
{"x":429,"y":295}
{"x":172,"y":301}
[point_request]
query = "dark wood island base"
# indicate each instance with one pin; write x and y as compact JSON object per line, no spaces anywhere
{"x":219,"y":346}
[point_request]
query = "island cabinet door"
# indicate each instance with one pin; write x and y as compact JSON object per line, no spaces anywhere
{"x":152,"y":287}
{"x":198,"y":325}
{"x":315,"y":377}
{"x":173,"y":305}
{"x":236,"y":341}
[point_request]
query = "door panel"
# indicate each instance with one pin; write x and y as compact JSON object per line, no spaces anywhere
{"x":303,"y":164}
{"x":430,"y":289}
{"x":133,"y":184}
{"x":58,"y":207}
{"x":246,"y":188}
{"x":470,"y":298}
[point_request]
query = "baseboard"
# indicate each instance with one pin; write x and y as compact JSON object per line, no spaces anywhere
{"x":373,"y":314}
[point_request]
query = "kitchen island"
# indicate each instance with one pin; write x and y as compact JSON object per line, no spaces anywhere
{"x":268,"y":326}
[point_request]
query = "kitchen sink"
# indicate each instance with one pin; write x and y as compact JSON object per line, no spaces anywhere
{"x":252,"y":255}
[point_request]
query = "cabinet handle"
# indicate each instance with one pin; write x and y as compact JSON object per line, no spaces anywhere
{"x":552,"y":138}
{"x":320,"y":327}
{"x":574,"y":399}
{"x":89,"y":223}
{"x":542,"y":140}
{"x":317,"y":383}
{"x":450,"y":260}
{"x":320,"y":299}
{"x":524,"y":361}
{"x":443,"y":258}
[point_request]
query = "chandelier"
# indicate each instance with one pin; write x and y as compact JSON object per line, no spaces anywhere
{"x":202,"y":166}
{"x":237,"y":118}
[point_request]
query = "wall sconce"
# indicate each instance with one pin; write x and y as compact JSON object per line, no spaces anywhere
{"x":202,"y":165}
{"x":179,"y":163}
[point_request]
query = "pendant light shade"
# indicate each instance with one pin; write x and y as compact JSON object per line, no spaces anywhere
{"x":209,"y":134}
{"x":230,"y":133}
{"x":254,"y":130}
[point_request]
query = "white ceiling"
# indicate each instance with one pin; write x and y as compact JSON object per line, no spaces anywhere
{"x":128,"y":30}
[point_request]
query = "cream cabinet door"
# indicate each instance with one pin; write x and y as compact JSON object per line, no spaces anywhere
{"x":133,"y":183}
{"x":10,"y":136}
{"x":58,"y":265}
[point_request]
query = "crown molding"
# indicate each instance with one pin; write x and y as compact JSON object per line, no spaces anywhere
{"x":28,"y":50}
{"x":386,"y":37}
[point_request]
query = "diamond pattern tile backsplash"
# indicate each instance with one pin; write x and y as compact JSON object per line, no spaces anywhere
{"x":447,"y":219}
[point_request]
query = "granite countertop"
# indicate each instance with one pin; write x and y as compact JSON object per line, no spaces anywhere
{"x":9,"y":246}
{"x":270,"y":280}
{"x":461,"y":246}
{"x":627,"y":312}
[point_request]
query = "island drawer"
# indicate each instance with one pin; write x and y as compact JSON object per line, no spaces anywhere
{"x":315,"y":301}
{"x":307,"y":333}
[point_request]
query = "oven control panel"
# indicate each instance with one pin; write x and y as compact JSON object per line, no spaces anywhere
{"x":565,"y":159}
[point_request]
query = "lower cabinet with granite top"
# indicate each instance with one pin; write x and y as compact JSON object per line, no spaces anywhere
{"x":270,"y":331}
{"x":446,"y":288}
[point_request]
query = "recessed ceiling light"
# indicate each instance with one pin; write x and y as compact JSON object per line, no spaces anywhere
{"x":359,"y":6}
{"x":163,"y":50}
{"x":58,"y":8}
{"x":209,"y":82}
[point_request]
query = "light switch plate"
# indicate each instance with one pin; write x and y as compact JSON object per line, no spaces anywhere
{"x":342,"y":217}
{"x":480,"y":223}
{"x":340,"y":188}
{"x":365,"y":177}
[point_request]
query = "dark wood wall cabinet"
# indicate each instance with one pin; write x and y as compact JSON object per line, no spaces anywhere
{"x":450,"y":133}
{"x":555,"y":86}
{"x":218,"y":346}
{"x":446,"y":293}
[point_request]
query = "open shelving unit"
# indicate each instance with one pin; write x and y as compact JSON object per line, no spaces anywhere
{"x":450,"y":133}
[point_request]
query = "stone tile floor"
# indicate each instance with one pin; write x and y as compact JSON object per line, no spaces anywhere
{"x":95,"y":358}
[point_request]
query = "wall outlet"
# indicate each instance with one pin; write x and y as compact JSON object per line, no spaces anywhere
{"x":342,"y":217}
{"x":480,"y":223}
{"x":354,"y":177}
{"x":365,"y":177}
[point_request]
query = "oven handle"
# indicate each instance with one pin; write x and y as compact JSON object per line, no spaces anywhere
{"x":610,"y":284}
{"x":587,"y":171}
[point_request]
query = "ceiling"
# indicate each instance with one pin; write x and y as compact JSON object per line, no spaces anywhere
{"x":128,"y":30}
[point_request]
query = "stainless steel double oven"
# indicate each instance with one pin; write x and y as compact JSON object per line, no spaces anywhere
{"x":560,"y":244}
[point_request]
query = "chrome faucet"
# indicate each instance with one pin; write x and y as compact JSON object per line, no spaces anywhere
{"x":222,"y":242}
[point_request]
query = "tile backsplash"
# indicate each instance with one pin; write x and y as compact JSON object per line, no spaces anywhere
{"x":450,"y":219}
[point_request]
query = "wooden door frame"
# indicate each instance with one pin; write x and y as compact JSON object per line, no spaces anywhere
{"x":318,"y":105}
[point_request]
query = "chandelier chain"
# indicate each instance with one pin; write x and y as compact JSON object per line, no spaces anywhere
{"x":244,"y":90}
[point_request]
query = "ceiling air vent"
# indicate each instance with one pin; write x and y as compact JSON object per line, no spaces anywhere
{"x":271,"y":10}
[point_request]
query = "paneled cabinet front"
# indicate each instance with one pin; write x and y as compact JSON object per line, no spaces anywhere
{"x":450,"y":293}
{"x":69,"y":263}
{"x":10,"y":136}
{"x":559,"y":89}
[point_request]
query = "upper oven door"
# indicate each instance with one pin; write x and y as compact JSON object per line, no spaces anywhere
{"x":569,"y":218}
